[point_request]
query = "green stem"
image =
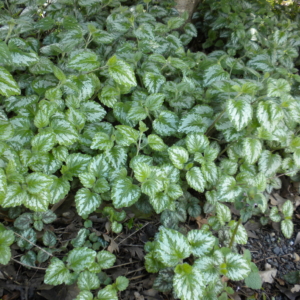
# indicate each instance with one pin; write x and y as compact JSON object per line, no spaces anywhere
{"x":234,"y":233}
{"x":9,"y":32}
{"x":215,"y":121}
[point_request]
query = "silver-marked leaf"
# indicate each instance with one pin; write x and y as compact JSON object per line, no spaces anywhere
{"x":76,"y":163}
{"x":239,"y":112}
{"x":178,"y":156}
{"x":43,"y":141}
{"x":6,"y":130}
{"x":209,"y":171}
{"x":223,"y":213}
{"x":86,"y":201}
{"x":130,"y":135}
{"x":196,"y":142}
{"x":156,"y":142}
{"x":124,"y":193}
{"x":269,"y":163}
{"x":93,"y":111}
{"x":23,"y":59}
{"x":88,"y":281}
{"x":261,"y":62}
{"x":188,"y":282}
{"x":228,"y":189}
{"x":287,"y":209}
{"x":38,"y":182}
{"x":252,"y":149}
{"x":8,"y":86}
{"x":59,"y":189}
{"x":268,"y":114}
{"x":84,"y":295}
{"x":87,"y":179}
{"x":57,"y":272}
{"x":241,"y":235}
{"x":154,"y":101}
{"x":166,"y":124}
{"x":201,"y":242}
{"x":65,"y":133}
{"x":278,"y":87}
{"x":121,"y":72}
{"x":274,"y":214}
{"x":105,"y":259}
{"x":287,"y":228}
{"x":102,"y":141}
{"x":193,"y":122}
{"x":76,"y":118}
{"x":38,"y":202}
{"x":160,"y":202}
{"x":171,"y":247}
{"x":15,"y":196}
{"x":153,"y":82}
{"x":214,"y":73}
{"x":81,"y":258}
{"x":237,"y":267}
{"x":108,"y":293}
{"x":84,"y":61}
{"x":195,"y":179}
{"x":116,"y":156}
{"x":209,"y":268}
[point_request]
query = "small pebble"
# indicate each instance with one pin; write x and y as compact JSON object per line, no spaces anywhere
{"x":277,"y":250}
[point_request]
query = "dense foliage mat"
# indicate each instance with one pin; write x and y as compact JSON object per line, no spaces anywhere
{"x":103,"y":100}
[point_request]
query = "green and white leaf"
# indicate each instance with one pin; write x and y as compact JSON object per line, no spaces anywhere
{"x":156,"y":142}
{"x":105,"y":259}
{"x":188,"y":282}
{"x":166,"y":124}
{"x":237,"y":267}
{"x":153,"y":82}
{"x":88,"y":281}
{"x":195,"y":179}
{"x":239,"y":113}
{"x":86,"y":201}
{"x":178,"y":156}
{"x":102,"y":141}
{"x":84,"y":61}
{"x":171,"y":247}
{"x":223,"y":213}
{"x":196,"y":142}
{"x":252,"y":149}
{"x":124,"y":193}
{"x":201,"y":242}
{"x":8,"y":86}
{"x":269,"y":163}
{"x":57,"y":272}
{"x":287,"y":209}
{"x":287,"y":228}
{"x":80,"y":258}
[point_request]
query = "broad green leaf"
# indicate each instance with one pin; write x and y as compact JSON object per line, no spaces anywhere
{"x":65,"y":133}
{"x":153,"y":82}
{"x":201,"y":242}
{"x":268,"y":114}
{"x":80,"y":258}
{"x":15,"y":103}
{"x":252,"y":149}
{"x":3,"y":183}
{"x":209,"y":267}
{"x":56,"y":273}
{"x":38,"y":182}
{"x":105,"y":259}
{"x":38,"y":201}
{"x":261,"y":62}
{"x":102,"y":37}
{"x":239,"y":112}
{"x":195,"y":179}
{"x":76,"y":164}
{"x":109,"y":96}
{"x":84,"y":61}
{"x":27,"y":239}
{"x":178,"y":156}
{"x":122,"y":283}
{"x":269,"y":163}
{"x":142,"y":171}
{"x":154,"y":101}
{"x":193,"y":122}
{"x":166,"y":124}
{"x":137,"y":112}
{"x":152,"y":185}
{"x":87,"y":179}
{"x":278,"y":87}
{"x":228,"y":189}
{"x":93,"y":111}
{"x":253,"y":281}
{"x":196,"y":142}
{"x":223,"y":213}
{"x":86,"y":201}
{"x":49,"y":239}
{"x":24,"y":221}
{"x":88,"y":281}
{"x":274,"y":214}
{"x":287,"y":228}
{"x":85,"y":295}
{"x":108,"y":293}
{"x":164,"y":281}
{"x":116,"y":157}
{"x":241,"y":236}
{"x":130,"y":135}
{"x":43,"y":141}
{"x":102,"y":141}
{"x":174,"y":191}
{"x":6,"y":130}
{"x":209,"y":171}
{"x":171,"y":247}
{"x":160,"y":202}
{"x":152,"y":264}
{"x":101,"y":185}
{"x":156,"y":142}
{"x":5,"y":54}
{"x":124,"y":193}
{"x":98,"y":166}
{"x":214,"y":73}
{"x":287,"y":209}
{"x":121,"y":72}
{"x":76,"y":118}
{"x":7,"y":237}
{"x":8,"y":86}
{"x":15,"y":196}
{"x":237,"y":267}
{"x":59,"y":189}
{"x":188,"y":282}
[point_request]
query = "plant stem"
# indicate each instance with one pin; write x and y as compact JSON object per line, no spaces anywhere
{"x":215,"y":121}
{"x":234,"y":233}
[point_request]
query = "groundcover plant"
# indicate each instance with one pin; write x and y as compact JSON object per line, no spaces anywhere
{"x":104,"y":100}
